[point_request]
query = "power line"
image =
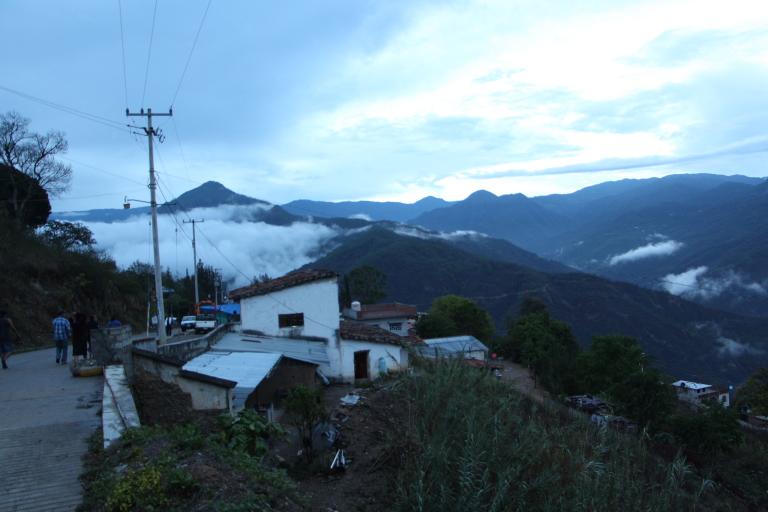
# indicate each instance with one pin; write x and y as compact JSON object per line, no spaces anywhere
{"x":248,"y":278}
{"x":122,"y":44}
{"x":69,"y":110}
{"x":103,"y":170}
{"x":191,"y":51}
{"x":149,"y":53}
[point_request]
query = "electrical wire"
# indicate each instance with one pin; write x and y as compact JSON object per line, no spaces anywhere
{"x":122,"y":44}
{"x":83,"y":164}
{"x":149,"y":53}
{"x":69,"y":110}
{"x":191,"y":51}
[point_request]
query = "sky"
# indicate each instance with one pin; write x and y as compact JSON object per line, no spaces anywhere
{"x":346,"y":100}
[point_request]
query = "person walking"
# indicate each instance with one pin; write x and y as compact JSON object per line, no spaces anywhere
{"x":61,"y":333}
{"x":6,"y":347}
{"x":93,"y":323}
{"x":79,"y":337}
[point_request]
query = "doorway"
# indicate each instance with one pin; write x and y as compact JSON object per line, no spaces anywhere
{"x":361,"y":364}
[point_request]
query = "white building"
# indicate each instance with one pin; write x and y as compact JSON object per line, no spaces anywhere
{"x":698,"y":393}
{"x":301,"y":309}
{"x":393,"y":317}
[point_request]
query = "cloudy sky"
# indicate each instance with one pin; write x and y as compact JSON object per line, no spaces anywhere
{"x":394,"y":100}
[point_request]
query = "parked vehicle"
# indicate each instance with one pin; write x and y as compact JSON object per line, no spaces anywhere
{"x":205,"y":323}
{"x":188,"y":322}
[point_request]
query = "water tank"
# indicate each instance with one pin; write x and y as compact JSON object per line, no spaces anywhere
{"x":356,"y":305}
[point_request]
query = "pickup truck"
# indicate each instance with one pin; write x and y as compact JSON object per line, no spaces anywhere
{"x":205,"y":323}
{"x":188,"y":322}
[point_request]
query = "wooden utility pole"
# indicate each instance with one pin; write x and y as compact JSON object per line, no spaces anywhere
{"x":194,"y":256}
{"x":151,"y":133}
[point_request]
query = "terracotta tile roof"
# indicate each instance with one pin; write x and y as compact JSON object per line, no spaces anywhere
{"x":295,"y":278}
{"x":355,"y":331}
{"x":379,"y":311}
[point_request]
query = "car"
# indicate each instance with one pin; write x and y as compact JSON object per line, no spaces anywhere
{"x":205,"y":323}
{"x":188,"y":322}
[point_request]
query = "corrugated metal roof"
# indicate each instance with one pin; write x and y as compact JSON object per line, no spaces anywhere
{"x":247,"y":369}
{"x":302,"y":350}
{"x":454,"y":346}
{"x":690,"y":385}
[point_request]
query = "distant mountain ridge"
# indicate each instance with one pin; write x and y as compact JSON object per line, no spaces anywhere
{"x":371,"y":210}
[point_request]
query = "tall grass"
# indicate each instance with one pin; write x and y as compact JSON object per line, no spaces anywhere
{"x":473,"y":444}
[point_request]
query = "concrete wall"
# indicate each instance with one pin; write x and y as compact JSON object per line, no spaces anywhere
{"x":118,"y":408}
{"x":204,"y":395}
{"x":318,"y":300}
{"x":396,"y":358}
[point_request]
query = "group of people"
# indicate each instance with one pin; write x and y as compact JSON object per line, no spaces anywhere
{"x":77,"y":328}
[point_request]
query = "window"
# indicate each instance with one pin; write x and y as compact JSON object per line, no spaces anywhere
{"x":291,"y":320}
{"x":397,"y":326}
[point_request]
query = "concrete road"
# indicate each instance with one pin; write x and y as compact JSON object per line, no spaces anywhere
{"x":46,"y":417}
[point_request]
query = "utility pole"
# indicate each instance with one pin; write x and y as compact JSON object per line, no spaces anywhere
{"x":151,"y":133}
{"x":194,"y":256}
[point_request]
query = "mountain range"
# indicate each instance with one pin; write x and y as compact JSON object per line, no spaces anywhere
{"x":649,"y":232}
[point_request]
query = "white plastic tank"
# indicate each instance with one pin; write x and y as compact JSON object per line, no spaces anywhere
{"x":356,"y":305}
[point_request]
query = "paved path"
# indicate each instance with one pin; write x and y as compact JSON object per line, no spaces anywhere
{"x":46,"y":416}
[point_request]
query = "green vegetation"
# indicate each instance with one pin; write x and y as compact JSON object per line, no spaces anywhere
{"x":753,"y":395}
{"x":472,"y":445}
{"x":452,"y":315}
{"x":544,"y":345}
{"x":180,"y":468}
{"x":305,"y":410}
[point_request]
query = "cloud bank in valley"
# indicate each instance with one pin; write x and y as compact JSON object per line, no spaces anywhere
{"x":226,"y":240}
{"x":694,"y":284}
{"x":654,"y":249}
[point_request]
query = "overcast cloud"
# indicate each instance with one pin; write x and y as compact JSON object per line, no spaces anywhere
{"x":395,"y":100}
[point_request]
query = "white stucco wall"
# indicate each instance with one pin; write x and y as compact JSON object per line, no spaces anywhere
{"x":395,"y":356}
{"x":318,"y":301}
{"x":206,"y":396}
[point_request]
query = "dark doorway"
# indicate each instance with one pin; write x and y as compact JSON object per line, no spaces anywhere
{"x":361,"y":364}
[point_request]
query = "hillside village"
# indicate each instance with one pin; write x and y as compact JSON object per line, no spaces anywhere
{"x":384,"y":256}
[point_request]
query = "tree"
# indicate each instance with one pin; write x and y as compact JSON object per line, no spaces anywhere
{"x":305,"y":410}
{"x":609,"y":360}
{"x":715,"y":429}
{"x":18,"y":189}
{"x":67,"y":235}
{"x":451,"y":315}
{"x":644,"y":396}
{"x":34,"y":155}
{"x":754,"y":393}
{"x":547,"y":347}
{"x":366,"y":284}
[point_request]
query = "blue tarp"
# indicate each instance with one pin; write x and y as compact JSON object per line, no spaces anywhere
{"x":229,"y":309}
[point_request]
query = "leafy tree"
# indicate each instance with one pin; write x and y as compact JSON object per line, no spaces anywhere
{"x":547,"y":347}
{"x":67,"y":235}
{"x":22,"y":200}
{"x":34,"y":155}
{"x":754,"y":393}
{"x":715,"y":429}
{"x":366,"y":284}
{"x":451,"y":315}
{"x":644,"y":396}
{"x":609,"y":360}
{"x":305,"y":410}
